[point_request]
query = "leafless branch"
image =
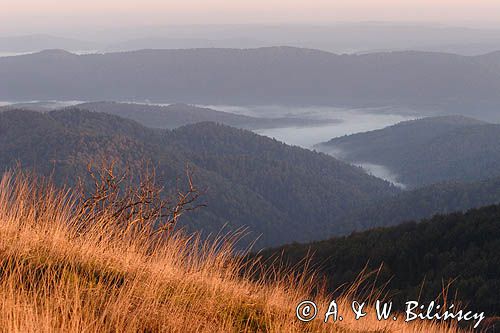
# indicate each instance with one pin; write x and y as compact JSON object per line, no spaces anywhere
{"x":134,"y":206}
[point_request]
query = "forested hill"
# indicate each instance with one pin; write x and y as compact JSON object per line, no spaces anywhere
{"x":289,"y":177}
{"x":264,"y":76}
{"x":176,"y":115}
{"x":460,"y":247}
{"x":427,"y":151}
{"x":206,"y":145}
{"x":425,"y":202}
{"x":251,"y":180}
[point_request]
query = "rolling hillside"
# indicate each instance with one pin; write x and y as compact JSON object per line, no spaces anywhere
{"x":427,"y":151}
{"x":250,"y":180}
{"x":425,"y":202}
{"x":459,"y":248}
{"x":60,"y":277}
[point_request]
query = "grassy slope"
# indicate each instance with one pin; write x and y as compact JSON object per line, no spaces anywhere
{"x":56,"y":279}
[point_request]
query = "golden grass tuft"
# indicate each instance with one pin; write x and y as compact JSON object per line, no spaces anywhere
{"x":54,"y":277}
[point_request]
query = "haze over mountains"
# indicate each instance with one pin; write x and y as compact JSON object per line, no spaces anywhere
{"x":39,"y":42}
{"x":267,"y":76}
{"x":336,"y":38}
{"x":177,"y":115}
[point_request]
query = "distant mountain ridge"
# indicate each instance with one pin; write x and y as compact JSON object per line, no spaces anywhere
{"x":173,"y":115}
{"x":359,"y":37}
{"x":177,"y":115}
{"x":265,"y":76}
{"x":36,"y":42}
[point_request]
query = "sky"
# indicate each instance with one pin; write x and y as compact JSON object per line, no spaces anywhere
{"x":53,"y":15}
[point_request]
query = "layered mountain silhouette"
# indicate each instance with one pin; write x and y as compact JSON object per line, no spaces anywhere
{"x":37,"y":42}
{"x":176,"y":115}
{"x":339,"y":38}
{"x":275,"y":75}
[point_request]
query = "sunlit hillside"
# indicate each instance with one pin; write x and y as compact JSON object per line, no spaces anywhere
{"x":58,"y":274}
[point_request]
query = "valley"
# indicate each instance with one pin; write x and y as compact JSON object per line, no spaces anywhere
{"x":253,"y":181}
{"x":297,"y":126}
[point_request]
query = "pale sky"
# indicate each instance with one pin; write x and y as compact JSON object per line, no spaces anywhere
{"x":24,"y":15}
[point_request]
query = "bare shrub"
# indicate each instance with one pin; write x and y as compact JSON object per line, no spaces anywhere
{"x":138,"y":206}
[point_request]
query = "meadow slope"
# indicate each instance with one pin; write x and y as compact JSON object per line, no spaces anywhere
{"x":60,"y":276}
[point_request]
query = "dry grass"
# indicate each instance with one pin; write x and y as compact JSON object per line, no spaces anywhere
{"x":56,"y":278}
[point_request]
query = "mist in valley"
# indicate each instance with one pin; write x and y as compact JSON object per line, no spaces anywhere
{"x":339,"y":121}
{"x":377,"y":170}
{"x":349,"y":121}
{"x":382,"y":172}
